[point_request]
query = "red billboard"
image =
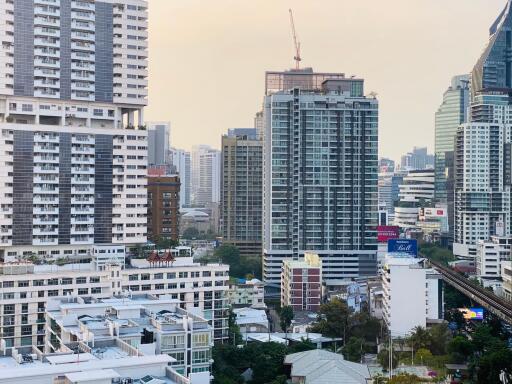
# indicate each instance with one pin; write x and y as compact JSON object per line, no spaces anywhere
{"x":387,"y":232}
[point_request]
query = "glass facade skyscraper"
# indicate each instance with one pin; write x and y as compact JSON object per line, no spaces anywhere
{"x":483,"y":148}
{"x":449,"y":116}
{"x":320,"y":178}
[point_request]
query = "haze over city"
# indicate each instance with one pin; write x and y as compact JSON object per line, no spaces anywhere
{"x":208,"y":59}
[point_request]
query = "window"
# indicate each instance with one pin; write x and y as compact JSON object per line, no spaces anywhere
{"x":8,"y":284}
{"x":26,"y":330}
{"x":23,"y":283}
{"x":83,"y":291}
{"x":158,"y":276}
{"x":183,"y":275}
{"x":172,"y":286}
{"x":81,"y":280}
{"x":133,"y":277}
{"x":201,"y":340}
{"x":9,"y":309}
{"x":96,"y":290}
{"x":179,"y":356}
{"x":199,"y":357}
{"x":173,"y":342}
{"x":94,"y":279}
{"x":53,"y":293}
{"x":146,"y":287}
{"x":171,"y":275}
{"x":67,"y":281}
{"x":159,"y":286}
{"x":145,"y":276}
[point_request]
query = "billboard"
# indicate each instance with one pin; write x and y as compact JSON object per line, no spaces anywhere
{"x":387,"y":232}
{"x":403,"y":246}
{"x":473,"y":313}
{"x":434,"y":212}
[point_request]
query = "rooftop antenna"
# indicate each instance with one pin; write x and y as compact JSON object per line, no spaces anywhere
{"x":297,"y":57}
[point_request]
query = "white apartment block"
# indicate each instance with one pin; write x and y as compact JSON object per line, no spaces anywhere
{"x":417,"y":186}
{"x":490,"y":255}
{"x":412,"y":294}
{"x":250,"y":293}
{"x":180,"y":161}
{"x":123,"y":365}
{"x":73,"y":157}
{"x":26,"y":288}
{"x":482,"y":176}
{"x":152,"y":326}
{"x":205,"y":175}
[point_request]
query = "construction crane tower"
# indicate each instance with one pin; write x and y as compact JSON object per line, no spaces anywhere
{"x":296,"y":42}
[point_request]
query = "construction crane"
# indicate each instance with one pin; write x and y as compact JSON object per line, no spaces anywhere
{"x":297,"y":57}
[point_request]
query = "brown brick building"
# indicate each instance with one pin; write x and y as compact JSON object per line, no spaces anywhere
{"x":163,"y":207}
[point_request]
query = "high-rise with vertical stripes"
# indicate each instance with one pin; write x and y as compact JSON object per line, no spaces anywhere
{"x":73,"y":146}
{"x":320,"y":171}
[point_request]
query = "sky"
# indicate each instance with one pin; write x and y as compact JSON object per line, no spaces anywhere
{"x":208,"y":59}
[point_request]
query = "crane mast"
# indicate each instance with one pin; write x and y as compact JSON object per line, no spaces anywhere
{"x":296,"y":43}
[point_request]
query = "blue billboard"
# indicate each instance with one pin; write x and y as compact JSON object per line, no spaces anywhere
{"x":474,"y":314}
{"x":403,"y":246}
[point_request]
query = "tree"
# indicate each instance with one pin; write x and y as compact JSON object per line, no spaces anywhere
{"x":423,"y":356}
{"x":303,"y":346}
{"x":439,"y":337}
{"x":383,"y":359}
{"x":405,"y":378}
{"x":191,"y":233}
{"x":354,"y":349}
{"x":333,"y":319}
{"x":285,"y":317}
{"x":460,"y":349}
{"x":364,"y":326}
{"x":420,"y":338}
{"x":493,"y":364}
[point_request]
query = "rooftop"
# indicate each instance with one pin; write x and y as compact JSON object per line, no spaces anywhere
{"x":322,"y":367}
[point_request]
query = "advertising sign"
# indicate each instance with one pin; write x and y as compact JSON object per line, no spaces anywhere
{"x":403,"y":246}
{"x":435,"y":212}
{"x":387,"y":232}
{"x":473,"y":313}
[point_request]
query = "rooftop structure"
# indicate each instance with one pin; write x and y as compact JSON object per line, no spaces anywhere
{"x":149,"y":324}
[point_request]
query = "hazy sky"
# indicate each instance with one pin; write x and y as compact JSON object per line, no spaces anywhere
{"x":208,"y":58}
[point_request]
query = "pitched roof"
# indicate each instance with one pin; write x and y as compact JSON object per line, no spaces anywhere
{"x":322,"y":367}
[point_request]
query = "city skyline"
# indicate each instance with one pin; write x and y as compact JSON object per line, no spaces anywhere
{"x":231,"y":66}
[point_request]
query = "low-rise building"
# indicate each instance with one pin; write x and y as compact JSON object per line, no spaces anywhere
{"x":251,"y":320}
{"x":247,"y":293}
{"x":506,"y":275}
{"x":319,"y":366}
{"x":301,"y":283}
{"x":151,"y":325}
{"x":490,"y":254}
{"x":108,"y":362}
{"x":413,"y":294}
{"x":26,"y":288}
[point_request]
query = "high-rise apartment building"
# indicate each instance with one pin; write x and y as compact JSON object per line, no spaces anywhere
{"x":320,"y":172}
{"x":483,"y":147}
{"x":180,"y":164}
{"x":158,"y":142}
{"x":205,"y":172}
{"x":163,"y":207}
{"x":449,"y":116}
{"x":74,"y":157}
{"x":241,"y":194}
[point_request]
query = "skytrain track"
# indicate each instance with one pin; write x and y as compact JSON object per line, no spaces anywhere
{"x":494,"y":304}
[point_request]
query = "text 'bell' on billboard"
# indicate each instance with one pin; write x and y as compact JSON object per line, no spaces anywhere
{"x":473,"y":313}
{"x":403,"y":246}
{"x":387,"y":232}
